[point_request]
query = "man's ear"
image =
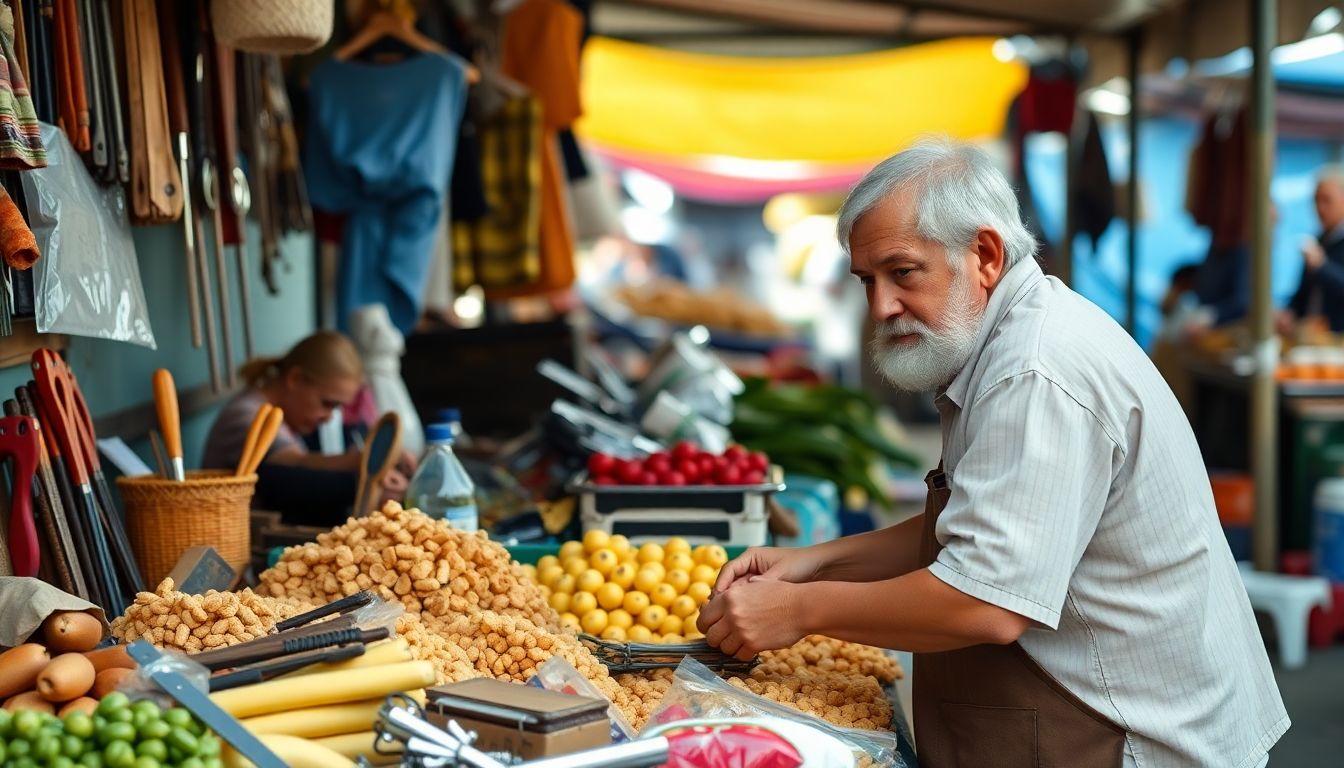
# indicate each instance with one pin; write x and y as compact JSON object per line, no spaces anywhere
{"x":987,"y":247}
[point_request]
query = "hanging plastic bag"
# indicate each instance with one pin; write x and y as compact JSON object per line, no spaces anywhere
{"x":87,"y":282}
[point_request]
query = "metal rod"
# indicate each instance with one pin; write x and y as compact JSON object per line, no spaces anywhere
{"x":1132,"y":124}
{"x":1264,"y":392}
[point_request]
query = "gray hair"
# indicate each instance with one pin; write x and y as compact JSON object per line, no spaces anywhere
{"x":959,"y":191}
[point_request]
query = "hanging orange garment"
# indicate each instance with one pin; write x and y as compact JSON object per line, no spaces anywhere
{"x":540,"y":50}
{"x":18,"y":246}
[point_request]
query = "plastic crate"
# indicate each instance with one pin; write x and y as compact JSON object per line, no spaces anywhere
{"x":728,"y":515}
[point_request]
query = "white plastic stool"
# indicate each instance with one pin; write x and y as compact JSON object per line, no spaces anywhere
{"x":1288,"y":600}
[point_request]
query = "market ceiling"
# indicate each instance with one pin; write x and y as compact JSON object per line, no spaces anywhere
{"x":669,"y":21}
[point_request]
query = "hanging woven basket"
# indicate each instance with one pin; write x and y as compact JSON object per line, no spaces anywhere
{"x":272,"y":26}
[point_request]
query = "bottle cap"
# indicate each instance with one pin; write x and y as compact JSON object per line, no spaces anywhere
{"x":447,"y":415}
{"x":439,"y":433}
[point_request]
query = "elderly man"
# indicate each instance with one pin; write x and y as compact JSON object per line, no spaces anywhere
{"x":1321,"y":292}
{"x":1067,"y":592}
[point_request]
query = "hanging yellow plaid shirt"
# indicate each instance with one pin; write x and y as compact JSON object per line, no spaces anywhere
{"x":500,"y":249}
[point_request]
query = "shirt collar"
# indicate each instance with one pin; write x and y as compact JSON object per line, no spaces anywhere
{"x":1012,"y":286}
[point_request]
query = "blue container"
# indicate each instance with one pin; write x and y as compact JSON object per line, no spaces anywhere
{"x":1328,"y":550}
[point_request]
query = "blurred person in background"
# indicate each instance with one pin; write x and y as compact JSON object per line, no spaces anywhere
{"x":1321,"y":291}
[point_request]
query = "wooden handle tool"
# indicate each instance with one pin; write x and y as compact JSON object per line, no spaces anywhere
{"x":165,"y":403}
{"x":259,"y":438}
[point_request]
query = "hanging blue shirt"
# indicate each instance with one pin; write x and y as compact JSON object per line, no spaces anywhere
{"x":380,"y":149}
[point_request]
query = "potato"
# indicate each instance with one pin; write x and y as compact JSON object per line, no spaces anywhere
{"x":66,"y":677}
{"x":20,"y":666}
{"x":72,"y":631}
{"x":29,"y":700}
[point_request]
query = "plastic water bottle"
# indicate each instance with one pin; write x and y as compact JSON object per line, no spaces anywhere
{"x":453,"y":418}
{"x":441,"y":487}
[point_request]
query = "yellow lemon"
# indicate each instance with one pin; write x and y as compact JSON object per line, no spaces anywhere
{"x":594,"y":621}
{"x":656,"y":568}
{"x":530,"y":571}
{"x":547,"y":560}
{"x":639,"y":634}
{"x":545,"y":591}
{"x":582,"y":603}
{"x":594,"y":540}
{"x":623,"y":574}
{"x":647,"y":579}
{"x":635,"y":602}
{"x":564,"y":584}
{"x":604,"y":561}
{"x":590,"y":580}
{"x":677,"y":546}
{"x":614,"y":634}
{"x":715,"y":556}
{"x":691,"y":624}
{"x":547,"y":575}
{"x":575,"y":566}
{"x":663,"y":595}
{"x":699,"y":591}
{"x":679,"y":579}
{"x":670,"y":626}
{"x":620,"y":618}
{"x":571,"y":622}
{"x":683,"y":606}
{"x":704,"y":574}
{"x":571,"y":549}
{"x":679,"y":562}
{"x":610,"y":595}
{"x":670,"y":639}
{"x":694,"y":634}
{"x":559,"y":601}
{"x":619,"y":544}
{"x":650,"y":553}
{"x":651,"y":617}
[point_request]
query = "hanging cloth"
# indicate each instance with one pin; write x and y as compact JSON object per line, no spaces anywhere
{"x":380,"y":150}
{"x":18,"y":245}
{"x":20,"y":137}
{"x":540,"y":50}
{"x":1216,"y":194}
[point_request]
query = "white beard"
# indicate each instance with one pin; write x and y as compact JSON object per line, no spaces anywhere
{"x":938,"y":356}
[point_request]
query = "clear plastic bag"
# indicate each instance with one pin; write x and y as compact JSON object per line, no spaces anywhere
{"x":699,"y":694}
{"x":141,"y":686}
{"x":556,"y":674}
{"x":380,"y":613}
{"x":87,"y":282}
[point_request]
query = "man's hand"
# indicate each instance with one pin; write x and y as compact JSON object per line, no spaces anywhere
{"x":394,"y":487}
{"x":795,"y":565}
{"x":1313,"y":255}
{"x":756,"y":615}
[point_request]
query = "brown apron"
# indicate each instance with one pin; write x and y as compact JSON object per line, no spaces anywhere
{"x":993,"y":706}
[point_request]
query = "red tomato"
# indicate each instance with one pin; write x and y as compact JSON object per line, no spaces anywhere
{"x":758,"y":461}
{"x":629,"y":472}
{"x":735,"y":453}
{"x":647,"y":478}
{"x":729,"y":475}
{"x":685,"y":450}
{"x":708,"y":465}
{"x":754,"y":477}
{"x":672,"y":478}
{"x":689,"y":470}
{"x":601,"y":464}
{"x":658,"y":463}
{"x":604,"y":480}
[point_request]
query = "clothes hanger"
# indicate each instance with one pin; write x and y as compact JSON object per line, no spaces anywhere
{"x":395,"y":19}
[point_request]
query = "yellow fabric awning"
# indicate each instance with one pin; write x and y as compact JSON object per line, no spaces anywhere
{"x":843,"y":109}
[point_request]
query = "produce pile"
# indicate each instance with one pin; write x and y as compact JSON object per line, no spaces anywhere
{"x":117,"y":734}
{"x":426,"y":564}
{"x":604,"y":586}
{"x":685,"y":464}
{"x":192,"y":623}
{"x":837,"y":681}
{"x":62,"y":673}
{"x":822,"y":430}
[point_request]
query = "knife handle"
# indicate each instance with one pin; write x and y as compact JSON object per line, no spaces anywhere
{"x":165,"y":403}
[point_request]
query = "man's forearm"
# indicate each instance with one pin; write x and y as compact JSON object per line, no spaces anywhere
{"x":873,"y":556}
{"x":915,"y":612}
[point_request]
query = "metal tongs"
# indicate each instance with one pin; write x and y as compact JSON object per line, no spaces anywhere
{"x":401,"y":720}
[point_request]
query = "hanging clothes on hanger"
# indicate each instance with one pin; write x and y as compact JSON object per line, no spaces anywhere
{"x":540,"y":50}
{"x":1216,"y":194}
{"x":380,"y":149}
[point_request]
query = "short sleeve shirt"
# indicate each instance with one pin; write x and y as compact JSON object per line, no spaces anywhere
{"x":1080,"y":500}
{"x":224,"y":445}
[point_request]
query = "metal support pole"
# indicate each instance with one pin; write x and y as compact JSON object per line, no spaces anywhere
{"x":1264,"y":392}
{"x":1132,"y":215}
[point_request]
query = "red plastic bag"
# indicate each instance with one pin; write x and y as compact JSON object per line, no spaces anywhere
{"x":729,"y":745}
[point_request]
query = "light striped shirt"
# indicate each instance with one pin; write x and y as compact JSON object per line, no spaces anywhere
{"x":1080,"y":500}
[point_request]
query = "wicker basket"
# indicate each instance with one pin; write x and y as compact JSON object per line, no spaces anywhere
{"x":164,"y":518}
{"x":272,"y":26}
